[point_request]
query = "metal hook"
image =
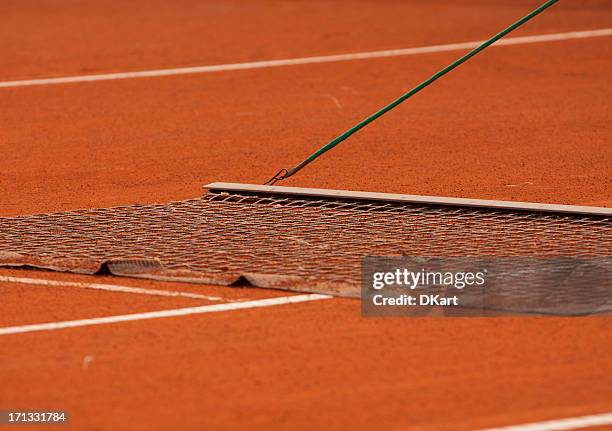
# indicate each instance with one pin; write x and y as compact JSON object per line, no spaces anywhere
{"x":277,"y":177}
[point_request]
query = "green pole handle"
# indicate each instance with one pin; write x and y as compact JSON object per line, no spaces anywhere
{"x":282,"y":174}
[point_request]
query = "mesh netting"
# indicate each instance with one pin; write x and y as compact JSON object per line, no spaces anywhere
{"x":290,"y":242}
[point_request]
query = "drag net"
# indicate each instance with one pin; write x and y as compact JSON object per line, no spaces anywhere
{"x":289,"y":242}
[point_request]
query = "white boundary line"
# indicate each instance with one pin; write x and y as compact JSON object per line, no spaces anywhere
{"x":560,"y":424}
{"x":308,"y":60}
{"x":162,"y":314}
{"x":108,"y":287}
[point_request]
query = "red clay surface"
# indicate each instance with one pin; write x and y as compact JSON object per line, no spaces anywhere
{"x":527,"y":122}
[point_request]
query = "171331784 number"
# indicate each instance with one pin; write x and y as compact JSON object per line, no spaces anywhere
{"x":9,"y":417}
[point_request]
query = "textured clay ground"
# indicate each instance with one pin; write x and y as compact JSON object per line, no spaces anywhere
{"x":525,"y":122}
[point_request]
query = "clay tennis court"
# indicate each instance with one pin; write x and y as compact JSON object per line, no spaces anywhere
{"x":527,"y":121}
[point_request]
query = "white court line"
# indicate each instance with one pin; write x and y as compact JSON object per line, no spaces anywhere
{"x":560,"y":424}
{"x":308,"y":60}
{"x":163,"y":313}
{"x":108,"y":287}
